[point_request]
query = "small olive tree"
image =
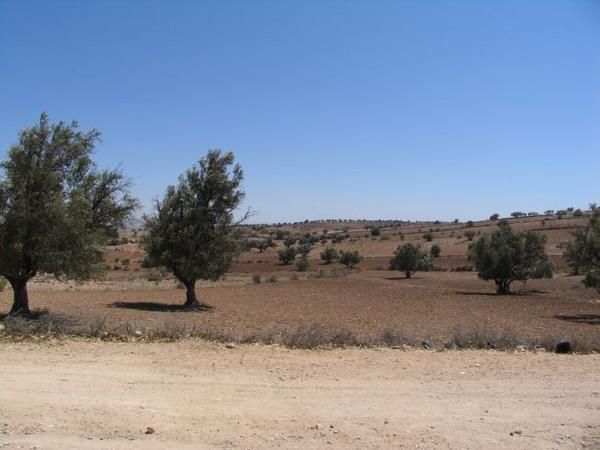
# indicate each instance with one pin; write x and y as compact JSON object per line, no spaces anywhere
{"x":287,"y":255}
{"x":192,"y":232}
{"x":409,"y":258}
{"x":329,"y":254}
{"x":505,"y":256}
{"x":350,"y":258}
{"x":57,"y":208}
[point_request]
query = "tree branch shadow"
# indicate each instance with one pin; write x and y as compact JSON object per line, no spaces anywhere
{"x":159,"y":307}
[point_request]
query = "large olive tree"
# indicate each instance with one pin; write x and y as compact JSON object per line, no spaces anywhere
{"x":56,"y":207}
{"x":505,"y":256}
{"x":192,"y":232}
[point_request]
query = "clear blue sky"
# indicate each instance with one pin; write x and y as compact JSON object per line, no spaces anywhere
{"x":388,"y":109}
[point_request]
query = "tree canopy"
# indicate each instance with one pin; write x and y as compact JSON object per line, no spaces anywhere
{"x":409,"y":258}
{"x":192,"y":232}
{"x":56,"y":207}
{"x":583,"y":252}
{"x":505,"y":256}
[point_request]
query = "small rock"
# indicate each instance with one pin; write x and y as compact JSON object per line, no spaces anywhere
{"x":230,"y":345}
{"x":149,"y":430}
{"x":138,"y":333}
{"x":2,"y":327}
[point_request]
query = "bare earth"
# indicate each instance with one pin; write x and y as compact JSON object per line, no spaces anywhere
{"x":88,"y":394}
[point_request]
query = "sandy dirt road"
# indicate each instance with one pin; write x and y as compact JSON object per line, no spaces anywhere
{"x":77,"y":395}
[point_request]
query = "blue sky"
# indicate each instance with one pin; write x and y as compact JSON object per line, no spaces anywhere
{"x":387,"y":109}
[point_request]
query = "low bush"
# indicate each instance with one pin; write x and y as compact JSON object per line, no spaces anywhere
{"x":350,"y":258}
{"x":302,"y":265}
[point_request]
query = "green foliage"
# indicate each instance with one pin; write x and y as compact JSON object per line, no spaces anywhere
{"x":302,"y":265}
{"x":435,"y":250}
{"x":350,"y":258}
{"x":3,"y":283}
{"x":494,"y":217}
{"x":287,"y":255}
{"x":375,"y":231}
{"x":470,"y":224}
{"x":329,"y":254}
{"x":409,"y":258}
{"x":192,"y":232}
{"x":289,"y":242}
{"x":304,"y":249}
{"x":506,"y":256}
{"x":56,"y":207}
{"x":428,"y":236}
{"x":469,"y":234}
{"x":583,"y":252}
{"x":575,"y":253}
{"x":262,"y":245}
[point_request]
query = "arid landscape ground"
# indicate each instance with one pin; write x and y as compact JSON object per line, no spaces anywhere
{"x":409,"y":386}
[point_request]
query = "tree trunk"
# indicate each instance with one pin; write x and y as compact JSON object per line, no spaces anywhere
{"x":20,"y":297}
{"x":191,"y":301}
{"x":503,"y":287}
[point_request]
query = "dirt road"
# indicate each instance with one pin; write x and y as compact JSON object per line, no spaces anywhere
{"x":76,"y":394}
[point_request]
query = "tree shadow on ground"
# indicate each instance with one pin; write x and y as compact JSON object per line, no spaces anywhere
{"x":591,"y":319}
{"x":160,"y":307}
{"x":400,"y":278}
{"x":521,"y":293}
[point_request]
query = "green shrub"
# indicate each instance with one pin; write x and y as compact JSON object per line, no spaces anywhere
{"x":350,"y":258}
{"x":302,"y":265}
{"x":154,"y":276}
{"x":304,"y":249}
{"x":428,"y":236}
{"x":287,"y":255}
{"x":289,"y":242}
{"x":375,"y":232}
{"x":506,"y":256}
{"x":409,"y":258}
{"x":469,"y":234}
{"x":256,"y":278}
{"x":435,"y":250}
{"x":329,"y":254}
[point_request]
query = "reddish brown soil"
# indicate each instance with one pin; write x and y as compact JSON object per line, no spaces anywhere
{"x":430,"y":307}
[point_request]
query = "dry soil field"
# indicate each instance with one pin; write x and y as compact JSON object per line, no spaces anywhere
{"x":77,"y":395}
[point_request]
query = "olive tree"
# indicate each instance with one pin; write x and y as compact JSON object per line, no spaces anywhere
{"x":192,"y":231}
{"x":329,"y":254}
{"x":583,"y":252}
{"x":56,"y":207}
{"x":409,"y":258}
{"x":505,"y":256}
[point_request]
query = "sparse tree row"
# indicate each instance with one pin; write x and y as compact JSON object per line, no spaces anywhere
{"x":58,"y":209}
